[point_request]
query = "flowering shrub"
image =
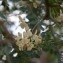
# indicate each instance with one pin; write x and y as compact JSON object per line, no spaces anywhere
{"x":31,"y":29}
{"x":27,"y":40}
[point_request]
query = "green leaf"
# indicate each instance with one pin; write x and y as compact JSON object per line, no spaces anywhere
{"x":54,"y":12}
{"x":1,"y":53}
{"x":7,"y":49}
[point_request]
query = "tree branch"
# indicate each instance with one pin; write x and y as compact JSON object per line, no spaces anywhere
{"x":6,"y":33}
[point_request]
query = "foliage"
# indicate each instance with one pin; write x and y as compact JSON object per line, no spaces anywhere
{"x":43,"y":29}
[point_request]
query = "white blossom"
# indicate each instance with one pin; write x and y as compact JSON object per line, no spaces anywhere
{"x":11,"y":4}
{"x":0,"y":2}
{"x":48,"y":22}
{"x":15,"y":54}
{"x":1,"y":7}
{"x":4,"y":57}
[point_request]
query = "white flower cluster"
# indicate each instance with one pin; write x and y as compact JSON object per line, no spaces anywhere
{"x":29,"y":40}
{"x":14,"y":18}
{"x":1,"y":6}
